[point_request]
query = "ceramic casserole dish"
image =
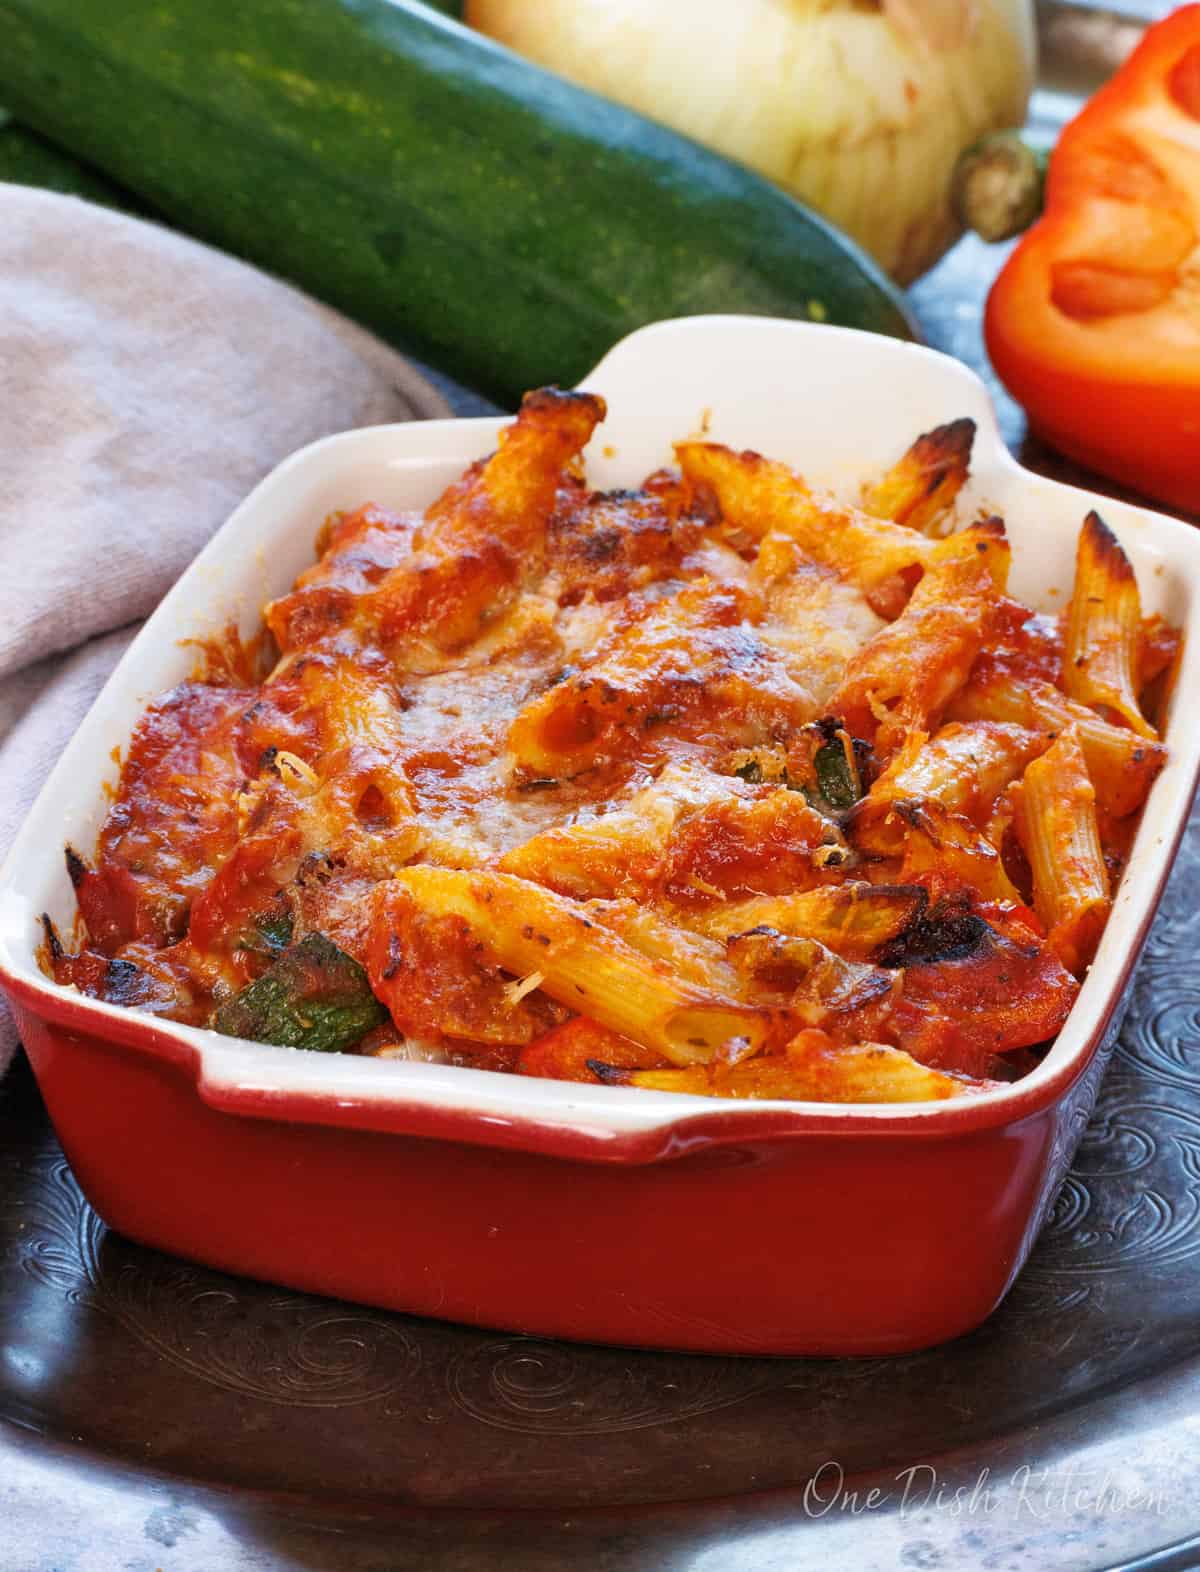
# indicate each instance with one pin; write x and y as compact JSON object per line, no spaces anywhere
{"x":604,"y":1213}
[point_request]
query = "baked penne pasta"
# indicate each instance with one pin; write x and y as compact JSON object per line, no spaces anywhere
{"x":852,"y":919}
{"x":1122,"y":765}
{"x":582,"y":964}
{"x":418,"y":587}
{"x":720,"y":785}
{"x":921,"y":488}
{"x":963,"y":768}
{"x":945,"y":851}
{"x":618,"y":854}
{"x":1056,"y":820}
{"x":814,"y":1069}
{"x":903,"y":678}
{"x":759,"y":497}
{"x":1102,"y":646}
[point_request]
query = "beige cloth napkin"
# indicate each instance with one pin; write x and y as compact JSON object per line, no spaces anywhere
{"x":146,"y":384}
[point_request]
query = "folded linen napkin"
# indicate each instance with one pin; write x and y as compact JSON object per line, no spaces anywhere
{"x":146,"y":384}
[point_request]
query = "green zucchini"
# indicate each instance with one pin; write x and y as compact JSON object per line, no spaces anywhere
{"x":499,"y":222}
{"x":271,"y":931}
{"x":314,"y":996}
{"x":27,"y":159}
{"x":837,"y":788}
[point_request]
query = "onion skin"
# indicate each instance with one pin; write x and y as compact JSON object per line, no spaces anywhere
{"x":861,"y":111}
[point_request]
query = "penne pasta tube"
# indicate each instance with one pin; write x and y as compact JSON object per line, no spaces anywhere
{"x":508,"y":499}
{"x":585,"y":966}
{"x":851,"y":919}
{"x":357,"y":747}
{"x":983,"y":544}
{"x":904,"y":677}
{"x":621,"y":852}
{"x":1103,"y":634}
{"x":813,"y":1069}
{"x":772,"y":842}
{"x":919,"y":490}
{"x":439,"y":982}
{"x":760,"y":497}
{"x":462,"y":564}
{"x":1056,"y":823}
{"x":694,"y":957}
{"x":821,"y":988}
{"x":617,"y":854}
{"x":943,"y":849}
{"x":964,"y":767}
{"x":1122,"y":765}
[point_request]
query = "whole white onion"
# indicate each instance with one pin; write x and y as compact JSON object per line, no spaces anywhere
{"x":858,"y":108}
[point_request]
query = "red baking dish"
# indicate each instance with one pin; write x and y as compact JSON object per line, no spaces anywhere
{"x":608,"y":1214}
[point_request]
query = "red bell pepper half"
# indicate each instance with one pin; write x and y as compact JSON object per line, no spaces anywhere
{"x":1094,"y":323}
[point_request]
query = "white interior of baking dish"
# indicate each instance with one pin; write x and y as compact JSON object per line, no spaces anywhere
{"x":836,"y":404}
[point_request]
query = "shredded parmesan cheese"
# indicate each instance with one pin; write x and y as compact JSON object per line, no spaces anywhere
{"x":516,"y":990}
